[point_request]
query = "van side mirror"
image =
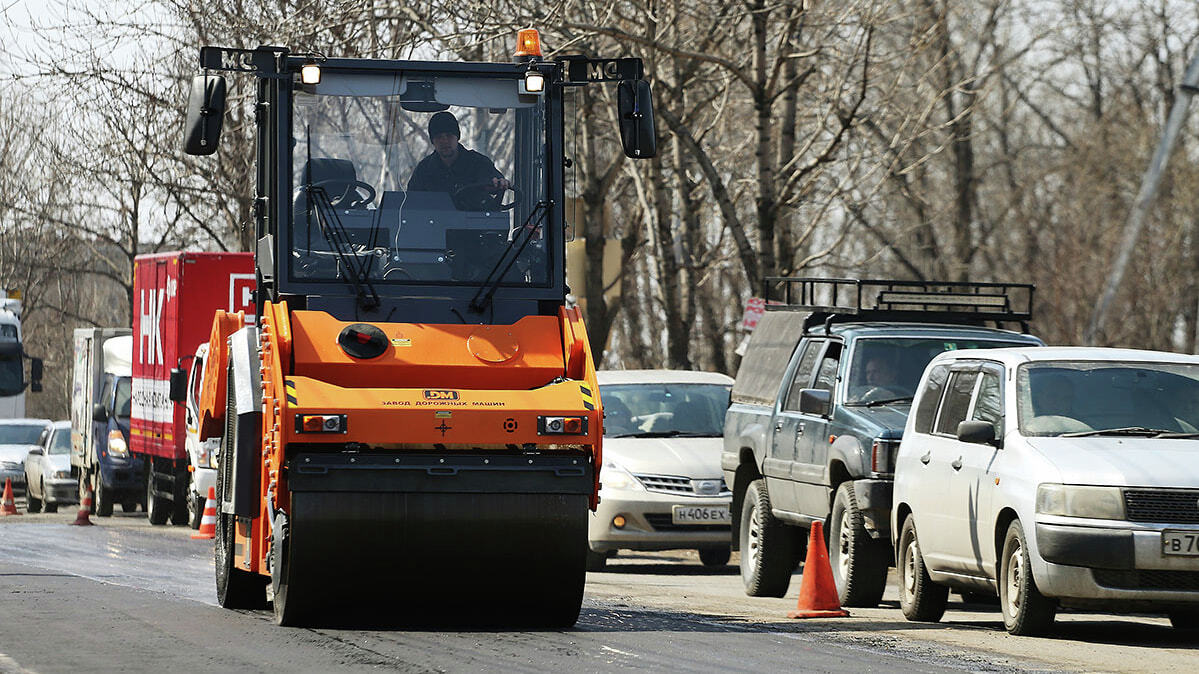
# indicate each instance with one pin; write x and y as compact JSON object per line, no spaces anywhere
{"x":178,"y":385}
{"x":815,"y":401}
{"x":35,"y":451}
{"x":205,"y":115}
{"x":977,"y":432}
{"x":100,"y":413}
{"x":35,"y":375}
{"x":635,"y":108}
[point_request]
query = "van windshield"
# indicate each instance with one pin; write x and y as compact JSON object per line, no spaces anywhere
{"x":1107,"y":398}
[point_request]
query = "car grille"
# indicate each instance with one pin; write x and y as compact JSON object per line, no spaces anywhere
{"x":666,"y":523}
{"x":1187,"y":581}
{"x":10,"y":465}
{"x":1176,"y":506}
{"x":666,"y":484}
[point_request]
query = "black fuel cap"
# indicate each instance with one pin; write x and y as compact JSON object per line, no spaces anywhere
{"x":362,"y":340}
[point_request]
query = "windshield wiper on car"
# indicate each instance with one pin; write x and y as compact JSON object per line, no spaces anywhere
{"x":489,"y":285}
{"x":1125,"y":430}
{"x":888,"y":401}
{"x":664,"y":434}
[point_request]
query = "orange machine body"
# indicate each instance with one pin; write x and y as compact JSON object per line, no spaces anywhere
{"x":440,"y":388}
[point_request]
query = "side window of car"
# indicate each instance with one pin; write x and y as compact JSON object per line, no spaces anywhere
{"x":927,"y":407}
{"x":957,"y":402}
{"x":826,"y":374}
{"x":803,"y":373}
{"x":105,"y":398}
{"x":989,"y":405}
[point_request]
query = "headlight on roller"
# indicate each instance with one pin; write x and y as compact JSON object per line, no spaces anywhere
{"x":614,"y":476}
{"x":1101,"y":503}
{"x":116,"y":445}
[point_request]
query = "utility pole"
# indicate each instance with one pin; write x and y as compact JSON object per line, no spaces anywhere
{"x":1140,"y":208}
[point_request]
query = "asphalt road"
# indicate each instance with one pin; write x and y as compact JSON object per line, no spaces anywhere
{"x":130,"y":597}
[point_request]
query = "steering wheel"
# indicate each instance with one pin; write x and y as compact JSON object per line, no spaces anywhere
{"x":879,"y":393}
{"x":352,"y":196}
{"x":483,"y":197}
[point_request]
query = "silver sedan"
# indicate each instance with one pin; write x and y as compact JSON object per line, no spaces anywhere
{"x":48,"y":471}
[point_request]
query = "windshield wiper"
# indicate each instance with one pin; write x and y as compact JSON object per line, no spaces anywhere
{"x":889,"y":401}
{"x":664,"y":434}
{"x":482,"y":298}
{"x":1125,"y":430}
{"x":358,"y":271}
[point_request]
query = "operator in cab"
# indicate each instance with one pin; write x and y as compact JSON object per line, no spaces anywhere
{"x":470,"y":178}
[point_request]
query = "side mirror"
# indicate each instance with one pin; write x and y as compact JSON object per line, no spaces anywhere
{"x":816,"y":401}
{"x":99,"y":413}
{"x":635,"y":108}
{"x":35,"y":375}
{"x":36,"y":451}
{"x":178,"y":385}
{"x":977,"y":432}
{"x":205,"y":115}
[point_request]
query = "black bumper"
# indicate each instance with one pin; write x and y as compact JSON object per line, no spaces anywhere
{"x":1077,"y":546}
{"x":447,"y":473}
{"x":874,"y":500}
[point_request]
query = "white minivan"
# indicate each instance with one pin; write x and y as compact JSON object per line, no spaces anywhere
{"x":1052,"y":477}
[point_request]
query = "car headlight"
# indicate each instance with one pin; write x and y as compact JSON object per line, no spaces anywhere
{"x":614,"y":476}
{"x":210,"y":450}
{"x":1101,"y":503}
{"x":116,"y":444}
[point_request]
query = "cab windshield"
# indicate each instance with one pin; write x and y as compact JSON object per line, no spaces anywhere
{"x":404,"y":178}
{"x":1108,"y":398}
{"x":62,"y":442}
{"x":11,"y":375}
{"x":890,"y":368}
{"x":661,"y":410}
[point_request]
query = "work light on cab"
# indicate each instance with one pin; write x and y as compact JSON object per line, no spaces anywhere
{"x":310,"y":72}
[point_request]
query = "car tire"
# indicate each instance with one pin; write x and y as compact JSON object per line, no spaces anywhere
{"x":920,"y":599}
{"x":1184,"y":619}
{"x":32,"y":505}
{"x":51,"y":507}
{"x":596,"y":561}
{"x":859,"y":562}
{"x":158,"y":509}
{"x":1025,"y":610}
{"x":103,"y":498}
{"x":714,"y":556}
{"x":768,"y":547}
{"x":180,"y":504}
{"x":195,"y":509}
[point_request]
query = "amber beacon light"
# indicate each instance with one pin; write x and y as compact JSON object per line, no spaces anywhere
{"x":528,"y":43}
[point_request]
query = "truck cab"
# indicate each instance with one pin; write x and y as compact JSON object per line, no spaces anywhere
{"x":203,"y":452}
{"x":819,"y":408}
{"x":101,"y":404}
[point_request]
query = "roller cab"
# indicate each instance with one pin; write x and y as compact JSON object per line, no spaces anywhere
{"x":414,"y":400}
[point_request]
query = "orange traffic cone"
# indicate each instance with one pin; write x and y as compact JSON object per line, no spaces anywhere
{"x":10,"y":506}
{"x":85,"y":508}
{"x":208,"y":521}
{"x":817,"y":590}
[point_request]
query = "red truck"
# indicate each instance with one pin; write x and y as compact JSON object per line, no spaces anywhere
{"x":175,"y":297}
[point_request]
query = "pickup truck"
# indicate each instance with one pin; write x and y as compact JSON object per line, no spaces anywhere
{"x":818,"y":410}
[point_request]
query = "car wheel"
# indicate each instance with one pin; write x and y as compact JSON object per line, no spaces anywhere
{"x":195,"y":508}
{"x":859,"y":562}
{"x":32,"y":504}
{"x":51,"y":507}
{"x":920,"y":598}
{"x":714,"y":556}
{"x":1185,"y":619}
{"x":596,"y":561}
{"x":103,"y":498}
{"x":1025,"y":610}
{"x":768,"y":547}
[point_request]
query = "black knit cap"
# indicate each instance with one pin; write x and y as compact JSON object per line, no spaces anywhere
{"x":443,"y":122}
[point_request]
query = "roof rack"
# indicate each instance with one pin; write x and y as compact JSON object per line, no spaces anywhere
{"x":830,"y":299}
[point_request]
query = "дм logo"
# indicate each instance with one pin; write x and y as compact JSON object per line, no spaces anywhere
{"x":433,"y":394}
